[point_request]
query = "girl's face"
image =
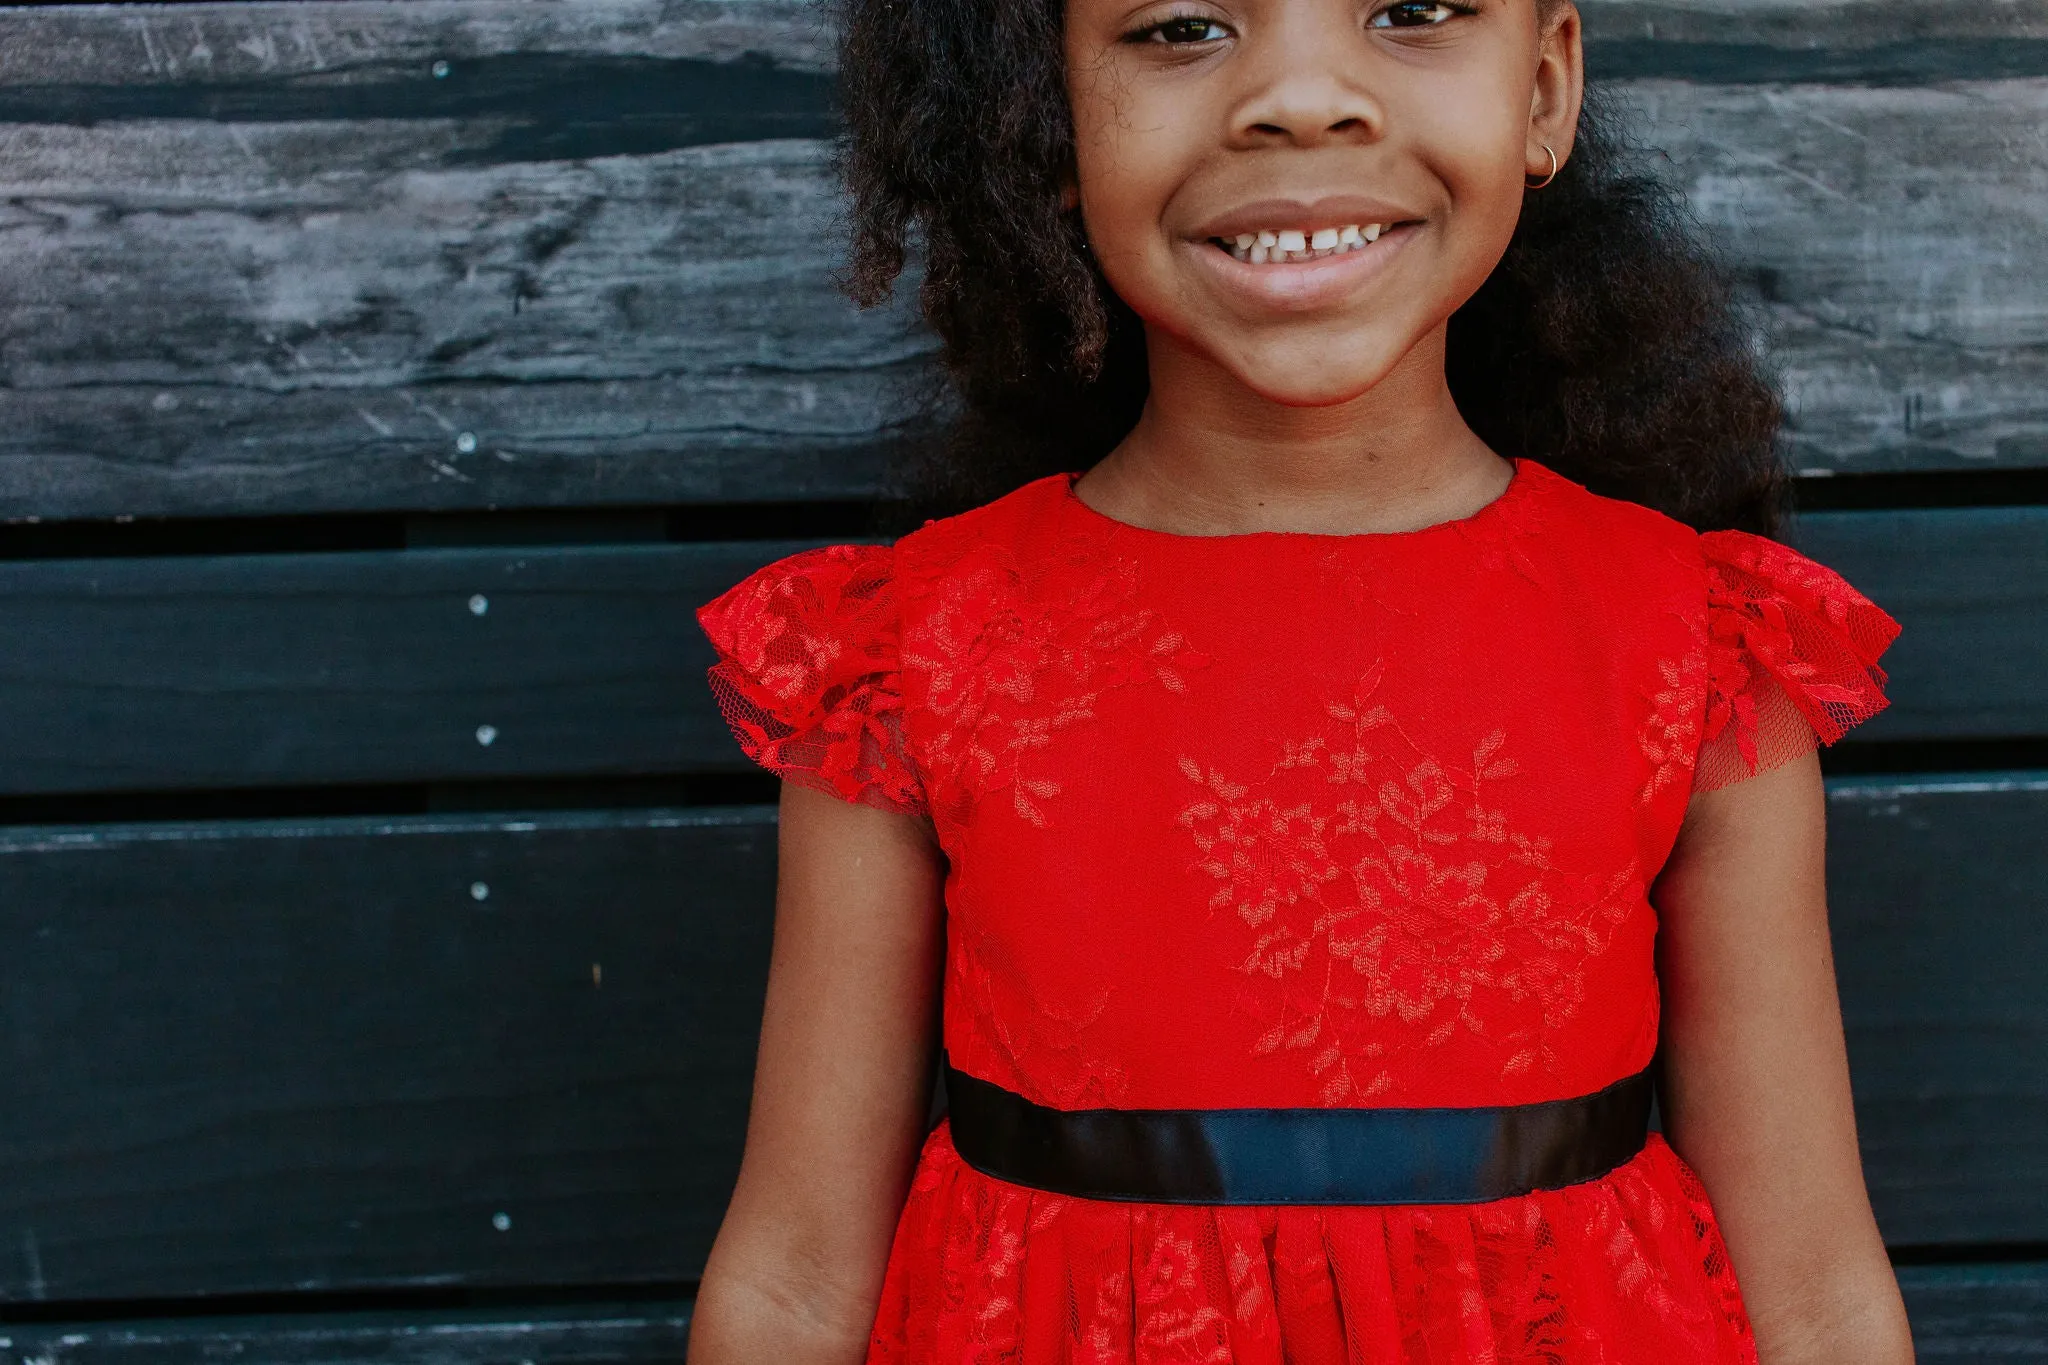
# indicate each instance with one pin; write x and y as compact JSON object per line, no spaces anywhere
{"x":1299,"y":191}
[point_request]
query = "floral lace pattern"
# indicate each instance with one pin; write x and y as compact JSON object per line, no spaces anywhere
{"x":1008,"y":671}
{"x":1791,"y":656}
{"x":1407,"y":892}
{"x":1296,"y":821}
{"x":807,"y":673}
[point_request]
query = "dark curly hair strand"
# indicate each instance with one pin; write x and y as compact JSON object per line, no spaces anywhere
{"x":1606,"y":344}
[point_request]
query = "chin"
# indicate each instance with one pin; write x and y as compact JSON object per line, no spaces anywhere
{"x":1310,"y":386}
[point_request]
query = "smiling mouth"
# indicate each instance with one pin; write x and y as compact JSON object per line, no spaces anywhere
{"x":1290,"y":245}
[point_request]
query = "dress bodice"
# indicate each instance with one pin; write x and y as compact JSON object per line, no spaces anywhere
{"x":1285,"y":819}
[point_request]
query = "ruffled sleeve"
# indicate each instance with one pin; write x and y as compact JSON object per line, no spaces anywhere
{"x":807,"y":673}
{"x":1792,"y":655}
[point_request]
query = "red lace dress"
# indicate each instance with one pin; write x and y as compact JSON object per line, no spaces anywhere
{"x":1285,"y":819}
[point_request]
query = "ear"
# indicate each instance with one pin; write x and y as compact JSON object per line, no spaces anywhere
{"x":1560,"y":86}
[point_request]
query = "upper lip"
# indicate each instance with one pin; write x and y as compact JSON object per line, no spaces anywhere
{"x":1305,"y":215}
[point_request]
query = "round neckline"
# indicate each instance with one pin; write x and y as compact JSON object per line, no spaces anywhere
{"x":1519,"y":481}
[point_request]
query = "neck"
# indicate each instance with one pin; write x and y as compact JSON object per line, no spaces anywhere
{"x":1210,"y":457}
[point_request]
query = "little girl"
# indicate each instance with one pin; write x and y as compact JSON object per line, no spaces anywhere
{"x":1362,"y":736}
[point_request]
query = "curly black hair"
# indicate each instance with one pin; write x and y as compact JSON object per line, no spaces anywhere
{"x":1607,"y":344}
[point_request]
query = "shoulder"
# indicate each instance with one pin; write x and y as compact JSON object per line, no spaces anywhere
{"x":1005,"y":525}
{"x":1622,"y":546}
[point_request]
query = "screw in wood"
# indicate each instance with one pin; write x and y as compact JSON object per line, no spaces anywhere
{"x":486,"y":735}
{"x":478,"y":604}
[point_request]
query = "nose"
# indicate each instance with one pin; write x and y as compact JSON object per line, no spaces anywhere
{"x":1307,"y":79}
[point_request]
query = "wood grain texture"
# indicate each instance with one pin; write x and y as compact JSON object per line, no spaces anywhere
{"x":323,"y":321}
{"x":596,"y":246}
{"x":1969,"y":587}
{"x":291,"y":1056}
{"x":1996,"y":1314}
{"x":292,"y":670}
{"x":598,"y":1334}
{"x":267,"y":1056}
{"x":255,"y":42}
{"x":1940,"y":913}
{"x":300,"y":669}
{"x":1891,"y":238}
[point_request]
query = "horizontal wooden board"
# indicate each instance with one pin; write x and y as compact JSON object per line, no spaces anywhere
{"x":1889,"y":236}
{"x":1994,"y":1312}
{"x":315,"y":1055}
{"x":1970,"y":589}
{"x":259,"y":1057}
{"x":293,"y":670}
{"x":1939,"y":894}
{"x":1997,"y":1314}
{"x":597,"y":1334}
{"x":289,"y":670}
{"x":604,"y":244}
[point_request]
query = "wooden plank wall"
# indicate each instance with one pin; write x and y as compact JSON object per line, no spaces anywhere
{"x":383,"y":913}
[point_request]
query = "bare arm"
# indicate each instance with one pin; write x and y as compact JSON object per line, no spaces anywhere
{"x":840,"y":1090}
{"x":1757,"y":1079}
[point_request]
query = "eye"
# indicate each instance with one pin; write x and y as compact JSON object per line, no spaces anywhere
{"x":1185,"y":30}
{"x":1415,"y":14}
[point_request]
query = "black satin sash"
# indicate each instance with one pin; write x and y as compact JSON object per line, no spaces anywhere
{"x":1297,"y":1156}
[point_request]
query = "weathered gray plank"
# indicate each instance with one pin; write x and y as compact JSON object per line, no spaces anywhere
{"x":1970,"y":589}
{"x":321,"y":323}
{"x":651,"y":1333}
{"x":1892,"y":236}
{"x":1992,"y":1313}
{"x":392,"y":666}
{"x":248,"y":42}
{"x":323,"y":290}
{"x":281,"y":1056}
{"x":1938,"y":888}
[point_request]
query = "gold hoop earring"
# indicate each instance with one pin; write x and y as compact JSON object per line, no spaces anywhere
{"x":1546,"y":179}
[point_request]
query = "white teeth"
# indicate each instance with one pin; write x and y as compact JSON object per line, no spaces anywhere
{"x":1292,"y":244}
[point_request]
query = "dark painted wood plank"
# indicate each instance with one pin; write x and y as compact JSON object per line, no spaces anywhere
{"x":1939,"y":893}
{"x":307,"y":1055}
{"x":1970,"y":587}
{"x":1991,"y":1313}
{"x":290,"y":670}
{"x":328,"y":1054}
{"x":1960,"y":1313}
{"x":269,"y":670}
{"x":597,"y":1334}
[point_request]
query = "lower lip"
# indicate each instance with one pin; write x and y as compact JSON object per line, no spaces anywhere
{"x":1302,"y":286}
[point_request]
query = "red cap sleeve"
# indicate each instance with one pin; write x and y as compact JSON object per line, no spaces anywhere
{"x":807,"y":673}
{"x":1792,"y":655}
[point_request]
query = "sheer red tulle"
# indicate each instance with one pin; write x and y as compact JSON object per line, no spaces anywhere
{"x":1299,"y":820}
